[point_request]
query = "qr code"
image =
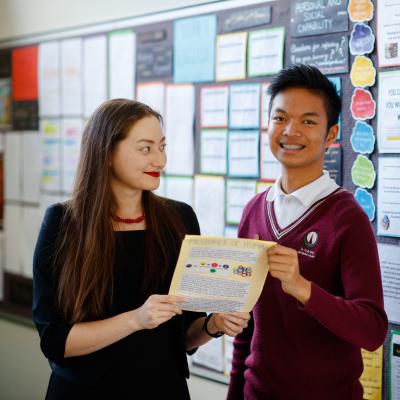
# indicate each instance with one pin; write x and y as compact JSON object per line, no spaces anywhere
{"x":391,"y":50}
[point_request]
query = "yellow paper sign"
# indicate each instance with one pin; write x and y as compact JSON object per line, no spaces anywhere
{"x":371,"y":378}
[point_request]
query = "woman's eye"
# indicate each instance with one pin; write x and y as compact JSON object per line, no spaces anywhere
{"x":145,"y":149}
{"x":163,"y":146}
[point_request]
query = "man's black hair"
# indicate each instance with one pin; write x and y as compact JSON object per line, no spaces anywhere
{"x":311,"y":78}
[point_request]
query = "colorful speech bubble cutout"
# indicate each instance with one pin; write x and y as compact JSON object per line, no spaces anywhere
{"x":366,"y":201}
{"x":360,"y":10}
{"x":363,"y":139}
{"x":362,"y":40}
{"x":362,"y":106}
{"x":363,"y":172}
{"x":363,"y":72}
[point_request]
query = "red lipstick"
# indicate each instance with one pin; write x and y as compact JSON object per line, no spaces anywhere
{"x":154,"y":174}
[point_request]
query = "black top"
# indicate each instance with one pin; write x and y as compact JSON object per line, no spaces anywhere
{"x":139,"y":360}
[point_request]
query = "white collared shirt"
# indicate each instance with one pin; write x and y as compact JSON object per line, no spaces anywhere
{"x":289,"y":207}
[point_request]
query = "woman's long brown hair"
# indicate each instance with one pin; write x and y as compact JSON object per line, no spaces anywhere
{"x":86,"y":243}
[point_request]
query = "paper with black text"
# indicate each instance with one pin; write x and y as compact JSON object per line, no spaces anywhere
{"x":371,"y":378}
{"x":216,"y":274}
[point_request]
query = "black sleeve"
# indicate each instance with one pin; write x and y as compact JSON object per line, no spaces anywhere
{"x":53,"y":330}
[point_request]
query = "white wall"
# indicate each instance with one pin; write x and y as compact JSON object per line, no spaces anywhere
{"x":27,"y":17}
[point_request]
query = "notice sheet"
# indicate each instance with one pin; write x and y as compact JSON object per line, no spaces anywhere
{"x":216,"y":274}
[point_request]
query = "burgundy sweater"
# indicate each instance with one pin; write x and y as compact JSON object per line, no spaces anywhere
{"x":312,"y":352}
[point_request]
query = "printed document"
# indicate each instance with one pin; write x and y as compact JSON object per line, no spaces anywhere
{"x":216,"y":274}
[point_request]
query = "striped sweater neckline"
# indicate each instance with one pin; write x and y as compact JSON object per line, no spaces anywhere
{"x":277,"y":231}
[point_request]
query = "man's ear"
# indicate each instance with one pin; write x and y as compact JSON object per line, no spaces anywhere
{"x":332,"y":135}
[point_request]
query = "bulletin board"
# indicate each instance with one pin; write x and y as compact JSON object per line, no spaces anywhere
{"x":182,"y":64}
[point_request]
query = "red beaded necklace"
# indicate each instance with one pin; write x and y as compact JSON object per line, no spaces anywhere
{"x":128,"y":220}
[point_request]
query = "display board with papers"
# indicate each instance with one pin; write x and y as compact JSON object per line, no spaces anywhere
{"x":206,"y":69}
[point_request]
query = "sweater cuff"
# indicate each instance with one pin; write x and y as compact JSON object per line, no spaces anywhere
{"x":315,"y":304}
{"x":53,"y":342}
{"x":236,"y":388}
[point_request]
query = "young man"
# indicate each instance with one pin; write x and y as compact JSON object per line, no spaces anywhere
{"x":322,"y":301}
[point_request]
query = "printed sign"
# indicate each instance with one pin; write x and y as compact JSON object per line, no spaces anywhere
{"x":328,"y":53}
{"x":244,"y":19}
{"x":333,"y":162}
{"x":315,"y":17}
{"x":25,"y":115}
{"x":154,"y":54}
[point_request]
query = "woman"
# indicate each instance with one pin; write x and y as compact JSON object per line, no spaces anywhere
{"x":103,"y":264}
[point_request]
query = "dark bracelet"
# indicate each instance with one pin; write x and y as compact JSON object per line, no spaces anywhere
{"x":205,"y":328}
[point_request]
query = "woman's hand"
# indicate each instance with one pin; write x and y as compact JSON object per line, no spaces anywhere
{"x":156,"y":310}
{"x":230,"y":323}
{"x":88,"y":337}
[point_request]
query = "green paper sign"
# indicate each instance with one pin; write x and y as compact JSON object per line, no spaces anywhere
{"x":363,"y":172}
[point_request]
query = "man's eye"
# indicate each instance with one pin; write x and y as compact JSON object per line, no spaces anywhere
{"x":278,"y":118}
{"x":309,"y":122}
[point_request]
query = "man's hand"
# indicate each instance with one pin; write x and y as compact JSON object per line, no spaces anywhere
{"x":284,"y":265}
